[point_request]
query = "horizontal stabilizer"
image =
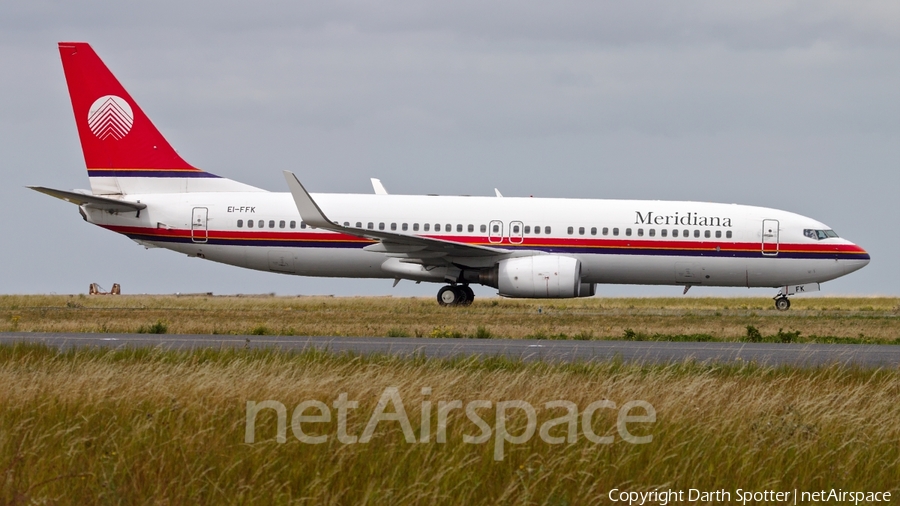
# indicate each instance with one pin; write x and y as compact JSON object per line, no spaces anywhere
{"x":81,"y":199}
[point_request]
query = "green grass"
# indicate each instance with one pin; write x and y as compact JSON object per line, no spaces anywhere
{"x":145,"y":425}
{"x":822,"y":319}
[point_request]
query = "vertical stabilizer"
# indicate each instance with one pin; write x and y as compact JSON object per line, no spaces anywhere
{"x":123,"y":150}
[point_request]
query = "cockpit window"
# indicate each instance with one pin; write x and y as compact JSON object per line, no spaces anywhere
{"x":819,"y":234}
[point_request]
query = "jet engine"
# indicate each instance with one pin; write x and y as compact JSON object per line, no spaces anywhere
{"x":539,"y":276}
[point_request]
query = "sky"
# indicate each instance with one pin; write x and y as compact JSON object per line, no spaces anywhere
{"x":791,"y":105}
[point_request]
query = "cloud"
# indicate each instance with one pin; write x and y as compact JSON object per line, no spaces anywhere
{"x":784,"y":104}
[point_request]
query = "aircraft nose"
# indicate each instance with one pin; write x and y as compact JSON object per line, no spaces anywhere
{"x":858,"y":259}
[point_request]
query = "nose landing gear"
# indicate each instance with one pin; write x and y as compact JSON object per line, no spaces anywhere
{"x":455,"y":295}
{"x":782,"y":303}
{"x":781,"y":300}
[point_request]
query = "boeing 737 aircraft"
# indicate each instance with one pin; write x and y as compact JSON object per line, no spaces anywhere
{"x":523,"y":247}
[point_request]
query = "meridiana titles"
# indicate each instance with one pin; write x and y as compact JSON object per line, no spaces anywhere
{"x":690,"y":219}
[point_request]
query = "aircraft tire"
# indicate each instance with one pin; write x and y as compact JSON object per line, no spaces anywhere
{"x":448,"y":296}
{"x":782,"y":304}
{"x":470,"y":295}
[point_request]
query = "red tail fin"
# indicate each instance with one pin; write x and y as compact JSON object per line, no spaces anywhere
{"x":124,"y":152}
{"x":117,"y":137}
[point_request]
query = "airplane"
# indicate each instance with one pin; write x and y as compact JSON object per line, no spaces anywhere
{"x":523,"y":247}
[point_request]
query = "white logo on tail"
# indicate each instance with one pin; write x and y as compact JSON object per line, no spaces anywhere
{"x":110,"y":116}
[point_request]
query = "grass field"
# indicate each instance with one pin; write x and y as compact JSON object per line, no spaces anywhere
{"x":151,"y":426}
{"x":822,"y":319}
{"x":167,"y":427}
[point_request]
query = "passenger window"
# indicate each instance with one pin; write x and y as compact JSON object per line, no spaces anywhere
{"x":459,"y":228}
{"x":675,"y":232}
{"x":483,"y":229}
{"x":370,"y":225}
{"x":537,"y":230}
{"x":718,"y":234}
{"x":346,"y":224}
{"x":547,"y":230}
{"x":527,"y":229}
{"x":262,"y":223}
{"x":580,"y":230}
{"x":706,"y":234}
{"x":605,"y":230}
{"x":628,"y":232}
{"x":303,"y":224}
{"x":615,"y":231}
{"x":393,"y":226}
{"x":652,"y":232}
{"x":437,"y":227}
{"x":687,"y":233}
{"x":415,"y":227}
{"x":570,"y":230}
{"x":515,"y":229}
{"x":293,"y":224}
{"x":405,"y":227}
{"x":471,"y":228}
{"x":696,"y":233}
{"x":358,"y":224}
{"x":663,"y":232}
{"x":240,"y":223}
{"x":281,"y":224}
{"x":381,"y":225}
{"x":448,"y":228}
{"x":426,"y":227}
{"x":495,"y":228}
{"x":728,"y":234}
{"x":640,"y":232}
{"x":593,"y":230}
{"x":249,"y":223}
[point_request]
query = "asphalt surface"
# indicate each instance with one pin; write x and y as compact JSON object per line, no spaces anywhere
{"x":867,"y":356}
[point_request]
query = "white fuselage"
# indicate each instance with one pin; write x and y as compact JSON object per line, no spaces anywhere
{"x":616,"y":241}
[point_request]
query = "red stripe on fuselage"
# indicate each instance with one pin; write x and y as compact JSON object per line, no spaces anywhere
{"x":528,"y":242}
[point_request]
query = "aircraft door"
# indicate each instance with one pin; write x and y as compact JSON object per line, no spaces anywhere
{"x":495,"y":232}
{"x":516,"y":235}
{"x":770,"y":237}
{"x":198,"y":224}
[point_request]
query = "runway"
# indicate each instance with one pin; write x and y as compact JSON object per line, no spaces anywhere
{"x":867,"y":356}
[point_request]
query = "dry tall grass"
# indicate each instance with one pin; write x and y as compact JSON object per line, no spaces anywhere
{"x":95,"y":426}
{"x":875,"y":319}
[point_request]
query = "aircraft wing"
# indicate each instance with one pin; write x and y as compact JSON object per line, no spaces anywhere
{"x":389,"y":242}
{"x":95,"y":201}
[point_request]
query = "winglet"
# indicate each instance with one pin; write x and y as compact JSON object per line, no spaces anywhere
{"x":378,"y":187}
{"x":307,"y":207}
{"x":497,"y":192}
{"x":417,"y":246}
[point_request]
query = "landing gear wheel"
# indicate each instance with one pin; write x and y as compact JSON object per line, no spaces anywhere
{"x":462,"y":296}
{"x":782,"y":303}
{"x":448,"y":296}
{"x":470,"y":295}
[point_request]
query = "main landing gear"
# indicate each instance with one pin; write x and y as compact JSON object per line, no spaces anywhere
{"x":782,"y":303}
{"x":455,"y":295}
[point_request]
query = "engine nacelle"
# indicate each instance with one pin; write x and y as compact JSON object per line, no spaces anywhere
{"x":540,"y":277}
